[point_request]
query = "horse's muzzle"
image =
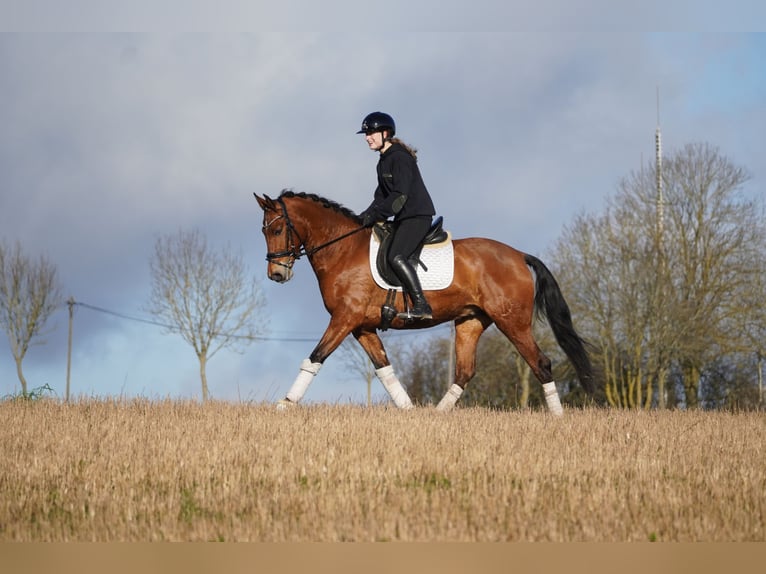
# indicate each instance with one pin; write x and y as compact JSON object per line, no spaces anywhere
{"x":280,"y":273}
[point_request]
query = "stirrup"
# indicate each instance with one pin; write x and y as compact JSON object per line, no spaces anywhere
{"x":407,"y":317}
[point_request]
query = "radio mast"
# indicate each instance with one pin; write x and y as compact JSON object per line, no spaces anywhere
{"x":660,"y":198}
{"x":660,"y":240}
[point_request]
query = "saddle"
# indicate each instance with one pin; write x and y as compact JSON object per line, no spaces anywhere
{"x":384,"y":233}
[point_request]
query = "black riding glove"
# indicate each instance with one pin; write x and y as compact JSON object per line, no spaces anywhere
{"x":368,"y":218}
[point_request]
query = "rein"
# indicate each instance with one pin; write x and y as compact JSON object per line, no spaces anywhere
{"x":301,"y":250}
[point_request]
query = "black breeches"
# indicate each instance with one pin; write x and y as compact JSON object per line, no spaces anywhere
{"x":408,"y":235}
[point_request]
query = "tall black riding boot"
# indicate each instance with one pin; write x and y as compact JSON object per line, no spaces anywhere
{"x":409,"y":278}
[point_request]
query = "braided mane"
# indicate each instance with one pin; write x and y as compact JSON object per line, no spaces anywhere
{"x":327,"y":203}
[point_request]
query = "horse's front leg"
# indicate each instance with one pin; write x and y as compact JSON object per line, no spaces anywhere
{"x":333,"y":336}
{"x":373,"y":346}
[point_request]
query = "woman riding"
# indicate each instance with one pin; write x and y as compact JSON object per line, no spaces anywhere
{"x":400,"y":194}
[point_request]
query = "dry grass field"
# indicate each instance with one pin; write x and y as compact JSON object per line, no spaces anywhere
{"x":144,"y":470}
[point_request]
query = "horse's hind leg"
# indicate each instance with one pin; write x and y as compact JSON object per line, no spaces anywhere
{"x":373,"y":346}
{"x":467,"y":335}
{"x":523,"y":339}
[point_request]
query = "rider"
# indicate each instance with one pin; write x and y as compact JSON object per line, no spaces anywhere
{"x":400,"y":194}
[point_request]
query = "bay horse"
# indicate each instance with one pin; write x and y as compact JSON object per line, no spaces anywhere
{"x":492,"y":283}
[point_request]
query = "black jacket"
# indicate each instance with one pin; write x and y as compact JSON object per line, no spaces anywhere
{"x":401,"y":192}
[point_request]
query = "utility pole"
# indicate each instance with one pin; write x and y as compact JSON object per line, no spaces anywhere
{"x":761,"y":403}
{"x":70,"y":303}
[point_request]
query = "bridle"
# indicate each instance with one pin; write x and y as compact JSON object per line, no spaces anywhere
{"x":291,"y":250}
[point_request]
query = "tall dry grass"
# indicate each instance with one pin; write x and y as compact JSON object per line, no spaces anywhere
{"x":168,"y":470}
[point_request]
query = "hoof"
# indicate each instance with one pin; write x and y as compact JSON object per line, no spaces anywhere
{"x":444,"y":407}
{"x":285,"y":404}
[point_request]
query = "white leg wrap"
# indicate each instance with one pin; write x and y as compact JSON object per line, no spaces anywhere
{"x":552,"y":398}
{"x":448,"y":400}
{"x":303,"y":380}
{"x":394,"y":387}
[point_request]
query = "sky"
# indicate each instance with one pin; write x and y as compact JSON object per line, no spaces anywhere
{"x":111,"y":140}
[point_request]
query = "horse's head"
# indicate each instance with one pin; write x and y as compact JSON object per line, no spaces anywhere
{"x":312,"y":219}
{"x":282,"y":241}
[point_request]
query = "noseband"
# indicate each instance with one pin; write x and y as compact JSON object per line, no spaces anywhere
{"x":291,"y":250}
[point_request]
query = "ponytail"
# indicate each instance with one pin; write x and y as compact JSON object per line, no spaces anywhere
{"x":412,"y":151}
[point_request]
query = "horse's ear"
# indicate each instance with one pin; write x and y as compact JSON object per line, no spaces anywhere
{"x":266,"y":203}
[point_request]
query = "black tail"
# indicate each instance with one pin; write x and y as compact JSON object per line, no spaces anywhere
{"x":550,"y":303}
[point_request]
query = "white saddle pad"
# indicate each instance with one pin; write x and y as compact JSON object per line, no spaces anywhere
{"x":438,"y":258}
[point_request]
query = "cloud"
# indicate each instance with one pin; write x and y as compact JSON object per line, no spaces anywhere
{"x":110,"y":140}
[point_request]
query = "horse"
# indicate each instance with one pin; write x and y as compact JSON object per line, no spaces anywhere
{"x":492,"y":283}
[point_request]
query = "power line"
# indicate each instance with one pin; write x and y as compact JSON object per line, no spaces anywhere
{"x":121,"y":315}
{"x":174,"y":328}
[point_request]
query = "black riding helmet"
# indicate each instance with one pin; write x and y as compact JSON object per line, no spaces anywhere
{"x":377,"y":122}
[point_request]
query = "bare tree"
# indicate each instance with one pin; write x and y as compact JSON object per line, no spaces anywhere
{"x":754,"y":328}
{"x":356,"y":360}
{"x":672,"y":298}
{"x":425,"y":368}
{"x":29,"y":294}
{"x":206,"y":296}
{"x":606,"y":265}
{"x":717,"y":252}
